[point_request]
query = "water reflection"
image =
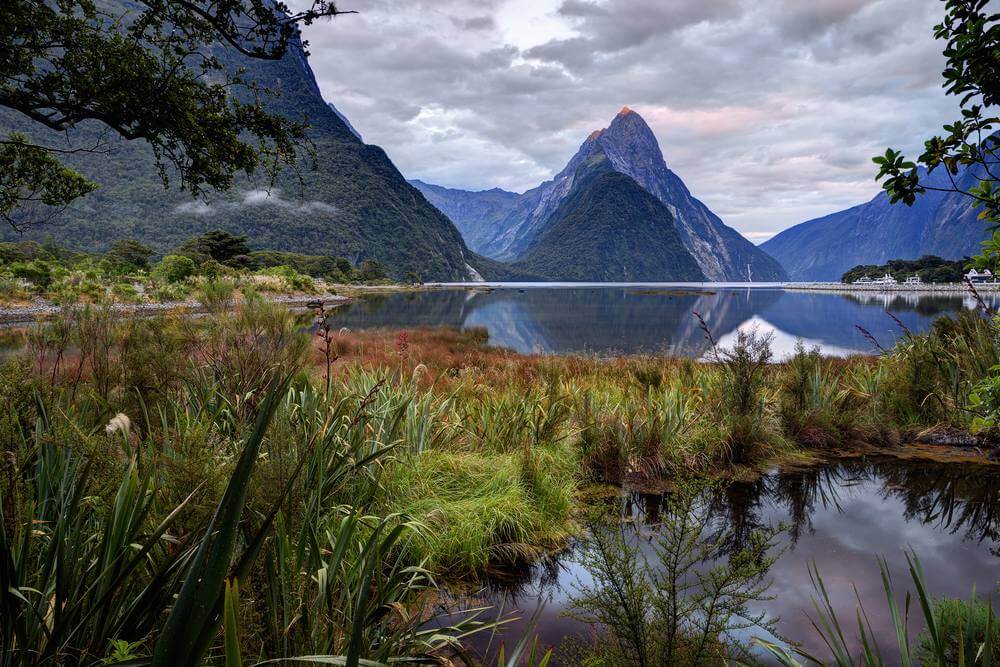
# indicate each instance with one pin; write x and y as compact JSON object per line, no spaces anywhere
{"x":642,"y":319}
{"x":840,"y":515}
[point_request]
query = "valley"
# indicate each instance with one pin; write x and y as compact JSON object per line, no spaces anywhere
{"x":273,"y":394}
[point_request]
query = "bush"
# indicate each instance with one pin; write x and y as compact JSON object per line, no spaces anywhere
{"x":174,"y":268}
{"x":216,"y":295}
{"x":814,"y":409}
{"x":744,"y":372}
{"x":668,"y":607}
{"x":371,"y":270}
{"x":77,"y":286}
{"x":12,"y":290}
{"x":126,"y":293}
{"x":36,"y":272}
{"x":292,"y":278}
{"x":128,"y":256}
{"x":171,"y":292}
{"x":954,"y":618}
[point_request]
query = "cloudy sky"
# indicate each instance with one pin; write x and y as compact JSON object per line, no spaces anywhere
{"x":768,"y":109}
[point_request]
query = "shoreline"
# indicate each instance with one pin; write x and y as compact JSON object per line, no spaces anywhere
{"x":38,"y":311}
{"x":941,"y":288}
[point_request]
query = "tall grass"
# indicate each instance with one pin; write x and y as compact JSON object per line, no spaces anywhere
{"x":217,"y":507}
{"x":962,"y":642}
{"x":317,"y":519}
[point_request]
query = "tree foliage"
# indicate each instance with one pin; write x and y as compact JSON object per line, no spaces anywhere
{"x":130,"y":253}
{"x":930,"y":268}
{"x":217,"y":244}
{"x":149,"y":71}
{"x":972,"y":73}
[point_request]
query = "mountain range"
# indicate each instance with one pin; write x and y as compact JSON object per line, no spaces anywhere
{"x":616,"y":211}
{"x":505,"y":226}
{"x":938,"y":223}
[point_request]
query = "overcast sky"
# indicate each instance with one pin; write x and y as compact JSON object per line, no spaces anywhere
{"x":769,"y":110}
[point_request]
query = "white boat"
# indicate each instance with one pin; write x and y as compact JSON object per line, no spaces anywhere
{"x":886,"y":280}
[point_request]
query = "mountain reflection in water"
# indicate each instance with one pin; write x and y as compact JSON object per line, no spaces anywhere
{"x":641,"y":319}
{"x":841,"y":515}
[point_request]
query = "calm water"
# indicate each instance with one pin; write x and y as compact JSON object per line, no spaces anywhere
{"x":841,"y":515}
{"x":629,"y":319}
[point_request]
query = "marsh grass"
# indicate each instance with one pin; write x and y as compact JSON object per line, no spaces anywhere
{"x":383,"y":463}
{"x":958,"y":633}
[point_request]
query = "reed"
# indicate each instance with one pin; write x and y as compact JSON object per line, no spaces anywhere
{"x":965,"y":640}
{"x":322,"y":494}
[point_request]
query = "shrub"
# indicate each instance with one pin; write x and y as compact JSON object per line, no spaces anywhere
{"x":218,"y":245}
{"x":243,"y":351}
{"x":77,"y":286}
{"x":36,"y":272}
{"x":171,"y":292}
{"x":813,"y":406}
{"x":985,"y":400}
{"x":744,"y":371}
{"x":371,"y":270}
{"x":174,"y":268}
{"x":126,"y":293}
{"x":12,"y":290}
{"x":669,"y":607}
{"x":749,"y":429}
{"x":216,"y":295}
{"x":128,"y":256}
{"x":292,"y":278}
{"x":212,"y":269}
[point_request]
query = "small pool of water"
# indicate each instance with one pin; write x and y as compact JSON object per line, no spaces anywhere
{"x":628,"y":319}
{"x":840,"y":515}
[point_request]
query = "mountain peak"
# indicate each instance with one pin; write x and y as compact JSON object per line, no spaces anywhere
{"x":628,"y":118}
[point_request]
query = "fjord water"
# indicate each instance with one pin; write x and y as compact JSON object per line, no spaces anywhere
{"x":840,"y":515}
{"x":646,"y":318}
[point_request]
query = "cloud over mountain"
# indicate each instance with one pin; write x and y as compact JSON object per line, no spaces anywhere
{"x":764,"y":107}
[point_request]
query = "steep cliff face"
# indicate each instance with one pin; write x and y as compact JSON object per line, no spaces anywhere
{"x":610,"y":229}
{"x":351,"y":202}
{"x":939,"y":223}
{"x":631,"y":148}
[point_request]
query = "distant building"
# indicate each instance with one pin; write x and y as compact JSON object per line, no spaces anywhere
{"x":974,"y":276}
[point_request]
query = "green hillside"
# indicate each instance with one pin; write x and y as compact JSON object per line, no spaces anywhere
{"x":350,"y":201}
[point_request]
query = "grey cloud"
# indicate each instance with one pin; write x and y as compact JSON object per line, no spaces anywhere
{"x":768,"y":109}
{"x":614,"y":25}
{"x":803,"y":20}
{"x":479,"y":23}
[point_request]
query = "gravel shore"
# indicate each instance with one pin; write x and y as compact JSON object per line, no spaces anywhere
{"x":941,"y":288}
{"x":41,"y":309}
